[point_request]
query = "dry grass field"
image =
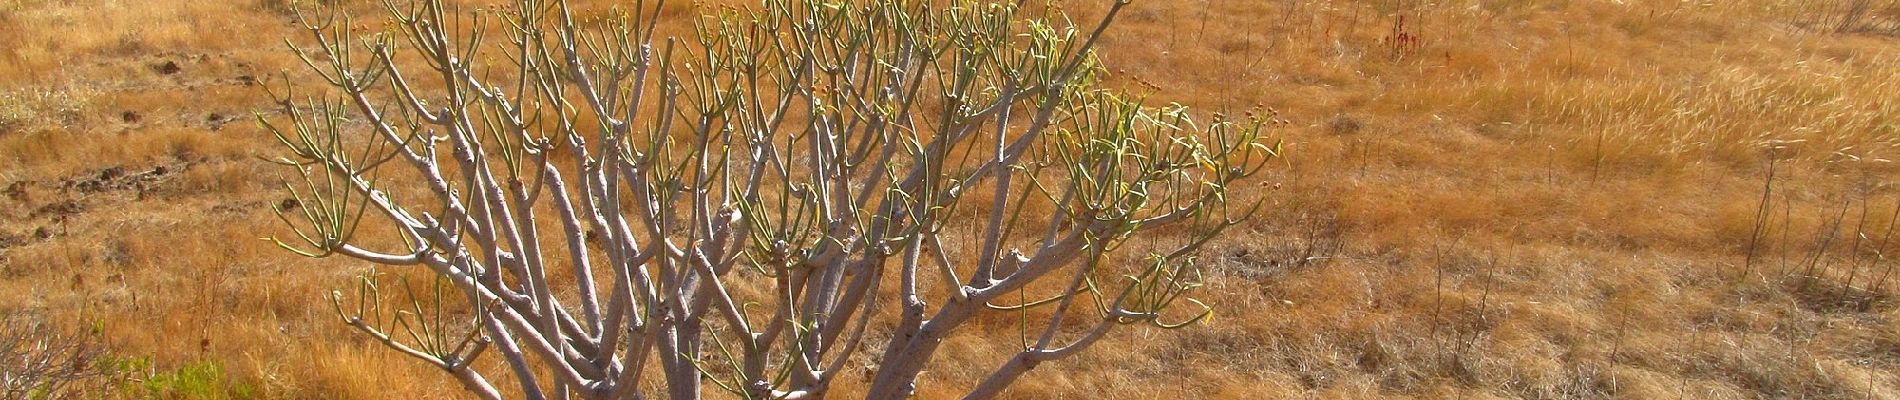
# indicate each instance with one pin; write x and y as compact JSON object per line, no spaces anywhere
{"x":1481,"y":199}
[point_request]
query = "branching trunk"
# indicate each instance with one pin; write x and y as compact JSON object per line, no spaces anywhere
{"x":730,"y":209}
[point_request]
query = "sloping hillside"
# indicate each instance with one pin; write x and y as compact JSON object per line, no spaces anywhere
{"x":1482,"y":199}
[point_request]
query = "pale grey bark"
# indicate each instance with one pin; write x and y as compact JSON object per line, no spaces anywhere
{"x":38,"y":361}
{"x":733,"y":207}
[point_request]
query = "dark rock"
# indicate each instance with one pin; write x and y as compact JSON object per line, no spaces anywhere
{"x":111,"y":173}
{"x":59,"y":209}
{"x":16,"y":191}
{"x":216,"y":121}
{"x":168,"y":68}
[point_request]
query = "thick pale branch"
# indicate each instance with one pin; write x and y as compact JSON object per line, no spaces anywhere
{"x":754,"y":187}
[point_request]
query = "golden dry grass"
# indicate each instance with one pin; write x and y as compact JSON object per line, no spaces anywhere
{"x":1522,"y":199}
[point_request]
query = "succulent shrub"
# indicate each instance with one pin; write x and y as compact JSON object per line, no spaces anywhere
{"x":748,"y":206}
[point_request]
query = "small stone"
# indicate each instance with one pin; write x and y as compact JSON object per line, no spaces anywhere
{"x":16,"y":191}
{"x":111,"y":173}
